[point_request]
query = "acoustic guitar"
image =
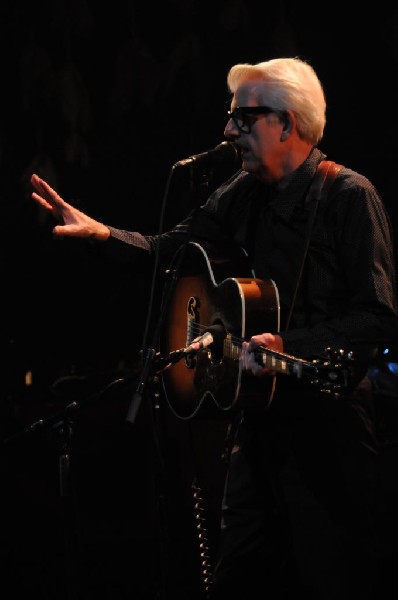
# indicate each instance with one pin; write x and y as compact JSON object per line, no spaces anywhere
{"x":232,"y":309}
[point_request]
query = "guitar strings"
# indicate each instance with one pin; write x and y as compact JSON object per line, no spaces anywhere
{"x":196,"y":329}
{"x":279,"y":361}
{"x":235,"y":343}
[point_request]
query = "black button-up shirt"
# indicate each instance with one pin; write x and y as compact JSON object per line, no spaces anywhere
{"x":346,"y":297}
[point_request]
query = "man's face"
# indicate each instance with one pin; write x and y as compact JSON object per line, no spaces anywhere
{"x":257,"y":133}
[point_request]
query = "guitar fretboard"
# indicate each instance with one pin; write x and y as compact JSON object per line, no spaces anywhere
{"x":270,"y":359}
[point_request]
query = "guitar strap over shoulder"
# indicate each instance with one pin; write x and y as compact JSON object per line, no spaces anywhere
{"x":325,"y":174}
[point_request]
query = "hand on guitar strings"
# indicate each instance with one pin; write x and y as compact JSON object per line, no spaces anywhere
{"x":249,"y":359}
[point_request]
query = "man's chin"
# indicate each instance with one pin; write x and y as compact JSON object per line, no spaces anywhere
{"x":249,"y":165}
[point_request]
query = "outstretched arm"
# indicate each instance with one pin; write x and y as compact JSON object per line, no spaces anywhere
{"x":73,"y":222}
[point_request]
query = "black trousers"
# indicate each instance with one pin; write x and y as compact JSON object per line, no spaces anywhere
{"x":299,"y":502}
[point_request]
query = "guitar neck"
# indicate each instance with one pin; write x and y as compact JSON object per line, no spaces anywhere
{"x":283,"y":363}
{"x":271,"y":359}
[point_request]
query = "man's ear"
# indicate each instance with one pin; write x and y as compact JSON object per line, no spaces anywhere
{"x":287,"y":120}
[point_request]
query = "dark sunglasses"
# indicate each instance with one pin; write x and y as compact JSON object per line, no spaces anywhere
{"x":244,"y":117}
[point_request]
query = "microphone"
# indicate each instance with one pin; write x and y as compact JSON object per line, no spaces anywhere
{"x":224,"y":152}
{"x":198,"y":343}
{"x":214,"y":334}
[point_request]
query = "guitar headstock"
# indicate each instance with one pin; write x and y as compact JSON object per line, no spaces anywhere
{"x":334,"y":368}
{"x":330,"y":372}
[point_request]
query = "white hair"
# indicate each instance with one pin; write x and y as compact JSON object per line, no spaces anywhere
{"x":289,"y":84}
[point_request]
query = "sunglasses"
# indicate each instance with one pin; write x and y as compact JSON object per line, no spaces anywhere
{"x":244,"y":117}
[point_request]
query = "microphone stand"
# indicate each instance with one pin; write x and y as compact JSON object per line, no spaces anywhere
{"x":152,"y":360}
{"x":151,"y":355}
{"x":223,"y":152}
{"x":63,"y":431}
{"x":150,"y":352}
{"x":61,"y":427}
{"x":149,"y":374}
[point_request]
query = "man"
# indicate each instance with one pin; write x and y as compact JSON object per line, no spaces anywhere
{"x":298,"y":509}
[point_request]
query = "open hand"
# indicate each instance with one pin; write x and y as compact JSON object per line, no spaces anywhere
{"x":73,"y":222}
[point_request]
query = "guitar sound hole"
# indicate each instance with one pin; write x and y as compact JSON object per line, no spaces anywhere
{"x":216,"y":348}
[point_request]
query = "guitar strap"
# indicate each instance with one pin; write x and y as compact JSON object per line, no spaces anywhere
{"x":325,"y":174}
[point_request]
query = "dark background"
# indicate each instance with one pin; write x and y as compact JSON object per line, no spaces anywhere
{"x":101,"y":100}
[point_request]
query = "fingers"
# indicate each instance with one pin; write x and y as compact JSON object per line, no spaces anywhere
{"x":46,"y":193}
{"x":40,"y":200}
{"x":264,"y":339}
{"x":248,"y":360}
{"x":39,"y":184}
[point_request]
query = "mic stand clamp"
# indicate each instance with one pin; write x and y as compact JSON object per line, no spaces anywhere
{"x":161,"y":363}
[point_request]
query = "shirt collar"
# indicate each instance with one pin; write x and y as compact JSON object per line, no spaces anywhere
{"x":287,"y":194}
